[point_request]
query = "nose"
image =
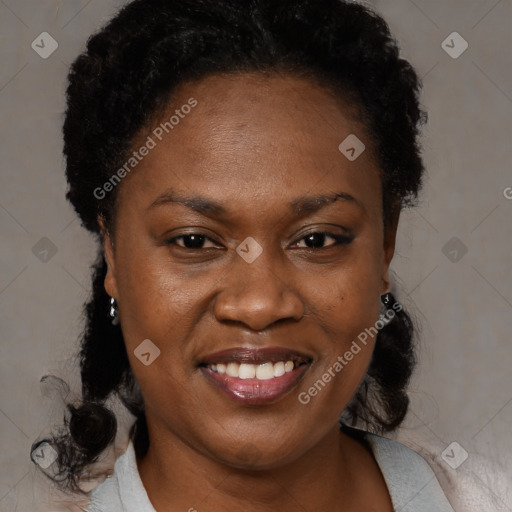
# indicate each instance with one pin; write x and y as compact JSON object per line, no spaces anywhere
{"x":257,"y":295}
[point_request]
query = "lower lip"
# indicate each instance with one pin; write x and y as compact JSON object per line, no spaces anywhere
{"x":255,"y":391}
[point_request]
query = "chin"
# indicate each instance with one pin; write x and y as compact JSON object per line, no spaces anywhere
{"x":256,"y":456}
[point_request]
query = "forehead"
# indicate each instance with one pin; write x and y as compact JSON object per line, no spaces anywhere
{"x":250,"y":136}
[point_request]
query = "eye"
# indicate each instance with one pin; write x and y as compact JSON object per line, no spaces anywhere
{"x":313,"y":240}
{"x":191,"y":241}
{"x":317,"y":240}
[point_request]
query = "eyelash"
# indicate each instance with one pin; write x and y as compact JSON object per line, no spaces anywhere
{"x":339,"y":240}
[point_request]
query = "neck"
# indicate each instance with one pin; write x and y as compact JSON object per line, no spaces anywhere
{"x":178,"y":477}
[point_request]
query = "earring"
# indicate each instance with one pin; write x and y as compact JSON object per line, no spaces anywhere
{"x":387,"y":300}
{"x":113,"y":311}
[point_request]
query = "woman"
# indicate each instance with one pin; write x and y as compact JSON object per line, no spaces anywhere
{"x":244,"y":165}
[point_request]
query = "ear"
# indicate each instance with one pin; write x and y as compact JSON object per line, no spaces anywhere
{"x":389,"y":250}
{"x":108,"y":254}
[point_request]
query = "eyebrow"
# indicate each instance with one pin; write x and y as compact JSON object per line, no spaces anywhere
{"x":300,"y":206}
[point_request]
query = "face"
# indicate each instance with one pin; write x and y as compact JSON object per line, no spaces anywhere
{"x":251,"y":253}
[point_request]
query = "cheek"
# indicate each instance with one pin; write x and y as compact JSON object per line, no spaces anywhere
{"x":160,"y":299}
{"x":347,"y":300}
{"x":346,"y":306}
{"x":164,"y":305}
{"x":349,"y":327}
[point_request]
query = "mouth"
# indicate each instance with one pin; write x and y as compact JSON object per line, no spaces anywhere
{"x":255,"y":376}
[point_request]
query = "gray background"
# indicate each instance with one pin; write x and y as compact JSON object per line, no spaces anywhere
{"x":462,"y":390}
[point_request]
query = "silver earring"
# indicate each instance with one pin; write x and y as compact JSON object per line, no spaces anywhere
{"x":386,"y":303}
{"x":387,"y":300}
{"x":113,"y":311}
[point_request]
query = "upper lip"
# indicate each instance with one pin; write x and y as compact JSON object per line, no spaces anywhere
{"x":256,"y":356}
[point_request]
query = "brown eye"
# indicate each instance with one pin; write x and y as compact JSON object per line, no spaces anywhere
{"x":317,"y":240}
{"x":190,"y":241}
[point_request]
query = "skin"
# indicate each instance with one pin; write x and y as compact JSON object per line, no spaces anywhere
{"x":253,"y":143}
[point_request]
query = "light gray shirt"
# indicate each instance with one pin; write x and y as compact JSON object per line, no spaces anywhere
{"x":411,"y":483}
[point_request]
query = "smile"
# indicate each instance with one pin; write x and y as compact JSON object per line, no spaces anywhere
{"x":255,"y":377}
{"x":264,"y":371}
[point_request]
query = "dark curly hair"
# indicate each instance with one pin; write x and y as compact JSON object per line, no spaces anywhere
{"x":126,"y":76}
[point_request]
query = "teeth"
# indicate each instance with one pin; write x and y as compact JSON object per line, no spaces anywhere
{"x":279,"y":369}
{"x":264,"y":371}
{"x":246,"y":371}
{"x":232,"y":369}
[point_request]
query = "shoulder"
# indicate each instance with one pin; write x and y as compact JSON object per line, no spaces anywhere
{"x":412,"y":484}
{"x":123,"y":491}
{"x":415,"y":462}
{"x":106,"y":497}
{"x":477,"y":483}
